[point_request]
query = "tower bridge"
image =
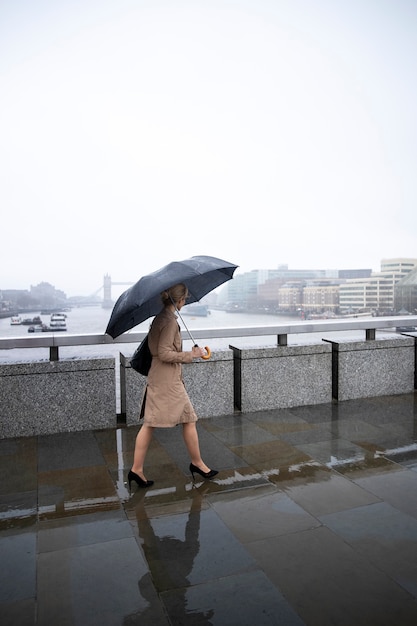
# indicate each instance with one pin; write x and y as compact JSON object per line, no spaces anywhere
{"x":107,"y":285}
{"x":106,"y":289}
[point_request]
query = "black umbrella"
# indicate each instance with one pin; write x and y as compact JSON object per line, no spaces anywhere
{"x":200,"y":274}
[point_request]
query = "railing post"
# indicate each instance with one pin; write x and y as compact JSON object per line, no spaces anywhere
{"x":53,"y":353}
{"x":282,"y":340}
{"x":369,"y":334}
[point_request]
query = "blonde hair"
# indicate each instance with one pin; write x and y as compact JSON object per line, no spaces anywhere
{"x":174,"y":294}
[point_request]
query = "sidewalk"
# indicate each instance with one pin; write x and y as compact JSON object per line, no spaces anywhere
{"x":311,"y":520}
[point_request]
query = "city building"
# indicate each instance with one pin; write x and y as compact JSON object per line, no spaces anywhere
{"x":405,"y":295}
{"x":281,"y":290}
{"x":241,"y":293}
{"x":268,"y":294}
{"x":42,"y":295}
{"x":320,"y":297}
{"x":290,"y":296}
{"x":376,"y":293}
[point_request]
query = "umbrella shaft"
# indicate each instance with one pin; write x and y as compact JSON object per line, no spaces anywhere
{"x":191,"y":337}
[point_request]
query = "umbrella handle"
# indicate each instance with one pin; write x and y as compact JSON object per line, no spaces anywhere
{"x":207,"y":349}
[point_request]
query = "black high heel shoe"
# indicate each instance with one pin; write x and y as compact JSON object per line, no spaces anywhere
{"x":138,"y":480}
{"x":197,"y":470}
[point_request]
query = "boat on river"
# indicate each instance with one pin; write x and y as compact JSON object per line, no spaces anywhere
{"x":197,"y":310}
{"x":58,"y":321}
{"x":32,"y":321}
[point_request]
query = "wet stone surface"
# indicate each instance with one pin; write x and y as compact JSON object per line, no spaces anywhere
{"x":312,"y":520}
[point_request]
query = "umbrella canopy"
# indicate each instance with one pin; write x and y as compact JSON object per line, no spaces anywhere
{"x":200,"y":274}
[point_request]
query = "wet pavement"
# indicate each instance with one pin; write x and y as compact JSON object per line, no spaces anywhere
{"x":311,"y":520}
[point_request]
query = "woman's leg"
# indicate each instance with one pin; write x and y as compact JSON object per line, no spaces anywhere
{"x":143,"y":439}
{"x":189,"y":432}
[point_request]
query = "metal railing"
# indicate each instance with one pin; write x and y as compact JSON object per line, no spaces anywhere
{"x":368,"y":325}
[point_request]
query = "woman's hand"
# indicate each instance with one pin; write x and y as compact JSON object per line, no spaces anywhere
{"x":198,"y":352}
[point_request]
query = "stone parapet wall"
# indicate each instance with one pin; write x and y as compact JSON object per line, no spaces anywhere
{"x":210,"y":384}
{"x":285,"y":376}
{"x":57,"y":396}
{"x":60,"y":396}
{"x":381,"y":367}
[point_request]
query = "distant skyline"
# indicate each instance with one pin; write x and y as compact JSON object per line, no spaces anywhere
{"x":263,"y":132}
{"x":118,"y":289}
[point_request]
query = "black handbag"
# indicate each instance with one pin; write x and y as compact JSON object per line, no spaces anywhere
{"x":142,"y":358}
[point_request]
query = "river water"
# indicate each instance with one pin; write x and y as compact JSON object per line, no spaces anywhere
{"x":93,"y":320}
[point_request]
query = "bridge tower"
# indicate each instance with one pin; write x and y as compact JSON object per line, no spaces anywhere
{"x":107,"y":301}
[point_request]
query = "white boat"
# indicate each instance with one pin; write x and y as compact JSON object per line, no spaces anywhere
{"x":16,"y":320}
{"x":58,"y":321}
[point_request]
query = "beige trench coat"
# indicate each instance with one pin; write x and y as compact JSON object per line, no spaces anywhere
{"x":167,"y":402}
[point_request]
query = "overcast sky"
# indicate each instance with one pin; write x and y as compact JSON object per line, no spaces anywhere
{"x":136,"y":132}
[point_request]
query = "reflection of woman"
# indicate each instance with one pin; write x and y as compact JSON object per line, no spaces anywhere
{"x":171,"y":563}
{"x":167,"y":403}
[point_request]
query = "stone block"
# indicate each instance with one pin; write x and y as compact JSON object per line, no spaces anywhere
{"x":285,"y":376}
{"x":210,"y":384}
{"x":381,"y":367}
{"x":48,"y":397}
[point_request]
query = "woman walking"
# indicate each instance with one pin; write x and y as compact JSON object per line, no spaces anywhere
{"x":166,"y":400}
